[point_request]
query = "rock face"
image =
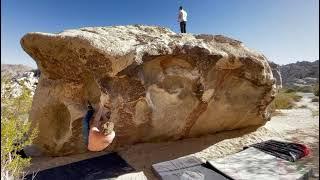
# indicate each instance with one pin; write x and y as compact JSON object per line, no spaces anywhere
{"x":159,"y":85}
{"x":275,"y":68}
{"x":301,"y":73}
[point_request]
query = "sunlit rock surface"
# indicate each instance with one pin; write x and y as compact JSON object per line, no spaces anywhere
{"x":159,"y":85}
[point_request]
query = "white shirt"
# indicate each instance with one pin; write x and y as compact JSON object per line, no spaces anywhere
{"x":182,"y":15}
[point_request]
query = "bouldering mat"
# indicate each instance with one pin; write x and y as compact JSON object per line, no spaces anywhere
{"x":107,"y":166}
{"x":252,"y":163}
{"x":186,"y":168}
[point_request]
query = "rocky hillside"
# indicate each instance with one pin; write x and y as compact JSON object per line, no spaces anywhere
{"x":300,"y":73}
{"x":14,"y":69}
{"x":17,"y":76}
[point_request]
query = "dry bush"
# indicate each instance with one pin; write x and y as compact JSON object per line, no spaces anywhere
{"x":285,"y":99}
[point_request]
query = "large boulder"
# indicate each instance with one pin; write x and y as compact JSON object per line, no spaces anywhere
{"x":158,"y":84}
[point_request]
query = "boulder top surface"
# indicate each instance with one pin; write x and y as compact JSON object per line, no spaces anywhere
{"x":121,"y":46}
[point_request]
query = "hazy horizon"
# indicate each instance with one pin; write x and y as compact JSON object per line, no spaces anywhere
{"x":285,"y":31}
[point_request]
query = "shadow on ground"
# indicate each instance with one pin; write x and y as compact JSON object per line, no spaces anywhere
{"x":142,"y":156}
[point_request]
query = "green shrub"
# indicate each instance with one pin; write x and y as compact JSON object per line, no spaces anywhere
{"x":305,"y":89}
{"x":284,"y":100}
{"x":295,"y":97}
{"x":15,"y":130}
{"x":290,"y":90}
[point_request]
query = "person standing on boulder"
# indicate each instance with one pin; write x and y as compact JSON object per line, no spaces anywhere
{"x":182,"y":18}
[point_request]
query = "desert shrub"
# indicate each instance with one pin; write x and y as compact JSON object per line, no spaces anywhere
{"x":305,"y":89}
{"x":316,"y":90}
{"x":295,"y":97}
{"x":290,"y":90}
{"x":284,"y":100}
{"x":15,"y":130}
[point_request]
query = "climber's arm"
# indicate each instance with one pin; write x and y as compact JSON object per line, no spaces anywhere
{"x":97,"y":116}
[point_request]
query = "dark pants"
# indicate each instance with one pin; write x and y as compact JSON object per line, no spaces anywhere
{"x":183,"y":25}
{"x":86,"y":123}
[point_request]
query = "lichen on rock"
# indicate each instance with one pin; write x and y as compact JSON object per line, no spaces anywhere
{"x":159,"y":85}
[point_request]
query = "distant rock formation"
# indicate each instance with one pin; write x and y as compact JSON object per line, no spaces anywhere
{"x":302,"y":73}
{"x":18,"y":76}
{"x":159,"y":85}
{"x":14,"y":70}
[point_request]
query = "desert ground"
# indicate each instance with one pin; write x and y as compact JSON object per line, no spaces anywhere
{"x":300,"y":124}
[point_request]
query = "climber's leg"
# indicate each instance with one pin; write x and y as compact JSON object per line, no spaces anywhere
{"x":181,"y":27}
{"x":86,"y":124}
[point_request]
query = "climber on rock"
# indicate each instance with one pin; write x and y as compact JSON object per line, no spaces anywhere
{"x":98,"y":131}
{"x":182,"y":18}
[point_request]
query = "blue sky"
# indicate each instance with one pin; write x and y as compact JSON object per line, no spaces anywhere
{"x":284,"y":30}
